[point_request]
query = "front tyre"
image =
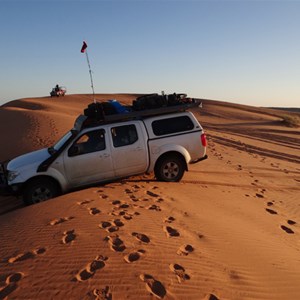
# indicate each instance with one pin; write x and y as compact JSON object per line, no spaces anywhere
{"x":170,"y":168}
{"x":39,"y":190}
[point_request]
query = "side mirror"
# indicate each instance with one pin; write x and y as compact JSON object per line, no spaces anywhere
{"x":74,"y":150}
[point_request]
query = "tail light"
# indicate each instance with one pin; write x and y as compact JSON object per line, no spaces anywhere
{"x":203,"y":140}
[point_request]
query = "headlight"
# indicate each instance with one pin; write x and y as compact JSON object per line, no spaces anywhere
{"x":12,"y":175}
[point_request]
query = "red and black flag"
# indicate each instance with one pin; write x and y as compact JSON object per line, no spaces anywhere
{"x":84,"y":46}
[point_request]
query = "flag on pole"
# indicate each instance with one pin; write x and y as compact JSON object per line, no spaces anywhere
{"x":84,"y":46}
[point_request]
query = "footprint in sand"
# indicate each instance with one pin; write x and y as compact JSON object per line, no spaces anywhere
{"x":141,"y":237}
{"x":154,"y":286}
{"x":154,"y":207}
{"x":123,"y":205}
{"x":69,"y":236}
{"x":114,"y":213}
{"x":94,"y":211}
{"x":112,"y":229}
{"x":116,"y":244}
{"x":137,"y":187}
{"x":128,"y":191}
{"x":103,"y":294}
{"x":291,"y":222}
{"x":169,"y":219}
{"x":127,"y":216}
{"x":121,"y":213}
{"x":287,"y":229}
{"x":105,"y":225}
{"x":39,"y":251}
{"x":257,"y":195}
{"x":97,"y":264}
{"x":179,"y":271}
{"x":111,"y":226}
{"x":21,"y":257}
{"x":152,"y":194}
{"x":118,"y":223}
{"x":120,"y":204}
{"x":133,"y":198}
{"x":10,"y":284}
{"x":171,"y":231}
{"x":200,"y":235}
{"x":116,"y":202}
{"x":85,"y":202}
{"x":60,"y":220}
{"x":27,"y":255}
{"x":185,"y":250}
{"x":134,"y":256}
{"x":271,"y":211}
{"x":13,"y":278}
{"x":210,"y":297}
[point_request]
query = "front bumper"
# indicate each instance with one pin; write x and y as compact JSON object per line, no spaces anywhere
{"x":5,"y":189}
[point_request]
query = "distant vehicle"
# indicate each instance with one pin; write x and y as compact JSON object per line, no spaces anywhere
{"x":58,"y":91}
{"x":105,"y":145}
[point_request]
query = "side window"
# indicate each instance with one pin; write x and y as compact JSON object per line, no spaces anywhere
{"x":124,"y":135}
{"x":89,"y":142}
{"x":172,"y":125}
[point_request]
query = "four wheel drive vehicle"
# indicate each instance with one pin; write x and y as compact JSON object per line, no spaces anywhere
{"x":58,"y":91}
{"x":109,"y":147}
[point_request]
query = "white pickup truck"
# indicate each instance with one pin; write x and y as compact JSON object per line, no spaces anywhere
{"x":120,"y":146}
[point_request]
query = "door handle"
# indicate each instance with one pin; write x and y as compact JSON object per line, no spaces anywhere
{"x":104,"y":155}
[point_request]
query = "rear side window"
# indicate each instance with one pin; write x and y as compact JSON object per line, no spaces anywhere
{"x":172,"y":125}
{"x":124,"y":135}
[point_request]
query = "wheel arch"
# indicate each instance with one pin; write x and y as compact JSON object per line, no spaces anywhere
{"x":43,"y":177}
{"x":171,"y":153}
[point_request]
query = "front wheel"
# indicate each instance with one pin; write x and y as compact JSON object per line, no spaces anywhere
{"x":39,"y":190}
{"x":170,"y":169}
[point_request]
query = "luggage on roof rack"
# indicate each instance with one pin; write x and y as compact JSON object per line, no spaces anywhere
{"x":143,"y":107}
{"x":99,"y":110}
{"x":94,"y":111}
{"x":156,"y":101}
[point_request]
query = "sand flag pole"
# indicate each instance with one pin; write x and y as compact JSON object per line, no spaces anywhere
{"x":83,"y":50}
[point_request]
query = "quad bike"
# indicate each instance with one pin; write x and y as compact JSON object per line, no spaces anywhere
{"x":57,"y":92}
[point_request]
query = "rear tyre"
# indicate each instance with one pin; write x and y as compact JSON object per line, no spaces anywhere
{"x":39,"y":190}
{"x":170,"y":168}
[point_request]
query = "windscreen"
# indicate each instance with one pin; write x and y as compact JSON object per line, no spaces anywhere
{"x":62,"y":141}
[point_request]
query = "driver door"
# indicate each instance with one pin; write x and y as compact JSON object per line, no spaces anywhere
{"x":88,"y":159}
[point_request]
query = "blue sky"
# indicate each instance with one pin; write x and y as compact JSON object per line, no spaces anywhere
{"x":238,"y":51}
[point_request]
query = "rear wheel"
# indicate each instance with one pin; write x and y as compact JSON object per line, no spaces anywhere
{"x":170,"y":168}
{"x":39,"y":190}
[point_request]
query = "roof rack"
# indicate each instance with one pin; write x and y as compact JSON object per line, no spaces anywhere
{"x":83,"y":121}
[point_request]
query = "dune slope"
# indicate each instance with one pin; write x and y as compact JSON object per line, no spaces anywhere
{"x":228,"y":230}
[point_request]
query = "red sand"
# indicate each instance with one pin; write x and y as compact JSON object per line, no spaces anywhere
{"x":228,"y":230}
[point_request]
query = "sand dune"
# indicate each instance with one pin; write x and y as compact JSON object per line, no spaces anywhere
{"x":228,"y":230}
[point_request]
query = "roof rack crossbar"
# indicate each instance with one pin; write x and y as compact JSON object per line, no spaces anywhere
{"x":83,"y":121}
